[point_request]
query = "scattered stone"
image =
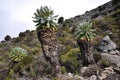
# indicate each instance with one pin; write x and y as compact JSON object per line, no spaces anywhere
{"x":102,"y":76}
{"x":113,"y":77}
{"x":90,"y":70}
{"x":78,"y":77}
{"x":116,"y":52}
{"x":70,"y":74}
{"x":117,"y":70}
{"x":93,"y":77}
{"x":112,"y":52}
{"x":106,"y":72}
{"x":83,"y":69}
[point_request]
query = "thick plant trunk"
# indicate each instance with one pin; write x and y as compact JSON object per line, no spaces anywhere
{"x":86,"y":52}
{"x":48,"y":40}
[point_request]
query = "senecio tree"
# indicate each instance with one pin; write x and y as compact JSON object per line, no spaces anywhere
{"x":46,"y":32}
{"x":85,"y":35}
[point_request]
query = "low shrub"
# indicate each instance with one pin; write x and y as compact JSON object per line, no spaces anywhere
{"x":7,"y":38}
{"x":22,"y":34}
{"x":71,"y":60}
{"x":105,"y":63}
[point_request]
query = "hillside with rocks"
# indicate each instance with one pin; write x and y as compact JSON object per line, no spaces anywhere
{"x":106,"y":21}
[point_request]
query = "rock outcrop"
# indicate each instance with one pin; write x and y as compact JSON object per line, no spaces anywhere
{"x":106,"y":45}
{"x":113,"y":59}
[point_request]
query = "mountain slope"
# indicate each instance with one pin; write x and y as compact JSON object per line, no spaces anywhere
{"x":106,"y":19}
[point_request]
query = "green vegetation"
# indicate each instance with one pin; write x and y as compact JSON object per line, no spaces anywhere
{"x":17,"y":54}
{"x":105,"y":63}
{"x":71,"y":61}
{"x":44,"y":17}
{"x":85,"y":32}
{"x":25,"y":67}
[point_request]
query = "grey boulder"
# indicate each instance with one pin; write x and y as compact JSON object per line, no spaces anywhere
{"x":106,"y":45}
{"x":113,"y":59}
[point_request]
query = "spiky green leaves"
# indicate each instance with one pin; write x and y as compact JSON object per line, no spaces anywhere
{"x":17,"y":54}
{"x":44,"y":17}
{"x":84,"y":31}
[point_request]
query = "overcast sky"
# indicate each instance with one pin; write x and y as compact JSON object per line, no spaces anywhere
{"x":16,"y":15}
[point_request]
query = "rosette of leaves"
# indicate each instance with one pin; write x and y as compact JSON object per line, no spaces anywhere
{"x":44,"y":17}
{"x":17,"y":54}
{"x":85,"y":32}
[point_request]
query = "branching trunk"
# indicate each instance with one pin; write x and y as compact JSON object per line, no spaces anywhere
{"x":48,"y":40}
{"x":86,"y":52}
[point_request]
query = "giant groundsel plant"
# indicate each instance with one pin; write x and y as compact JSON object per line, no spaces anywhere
{"x":17,"y":54}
